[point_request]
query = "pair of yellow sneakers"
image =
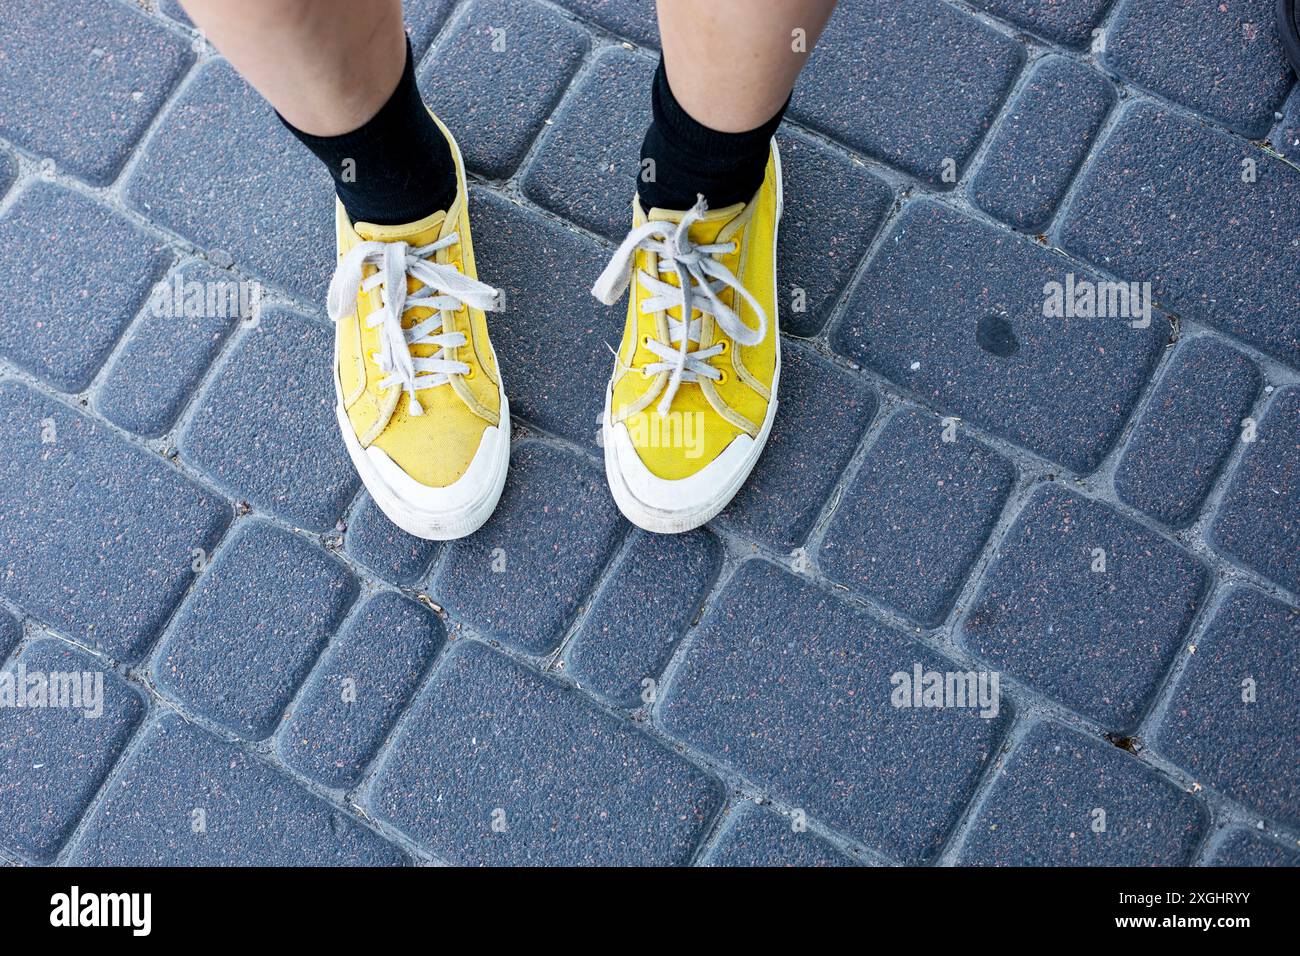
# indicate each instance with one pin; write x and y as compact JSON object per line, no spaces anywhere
{"x":420,"y":399}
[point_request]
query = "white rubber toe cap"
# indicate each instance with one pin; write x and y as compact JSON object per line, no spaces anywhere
{"x":666,"y":505}
{"x":441,"y":514}
{"x":463,"y":493}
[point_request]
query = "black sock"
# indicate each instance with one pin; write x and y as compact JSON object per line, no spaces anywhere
{"x":689,"y":158}
{"x":397,"y":167}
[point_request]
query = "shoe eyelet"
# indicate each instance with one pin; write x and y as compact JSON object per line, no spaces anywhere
{"x":645,"y":342}
{"x":725,"y":346}
{"x":470,"y":374}
{"x":723,"y":377}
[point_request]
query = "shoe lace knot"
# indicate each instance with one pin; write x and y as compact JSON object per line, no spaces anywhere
{"x":701,"y":276}
{"x":444,"y":289}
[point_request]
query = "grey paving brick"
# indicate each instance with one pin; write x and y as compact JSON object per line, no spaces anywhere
{"x":935,"y":80}
{"x":10,"y":633}
{"x":653,"y":594}
{"x":81,"y":79}
{"x":424,"y":18}
{"x":764,"y":837}
{"x":952,"y":311}
{"x":632,"y":19}
{"x":1246,"y":748}
{"x":265,"y":426}
{"x":1246,"y":849}
{"x":1165,"y":202}
{"x":1223,"y":60}
{"x":813,"y":676}
{"x":76,"y":274}
{"x":833,"y":208}
{"x":174,"y":10}
{"x":1069,"y":23}
{"x":1187,"y":429}
{"x":1258,"y":523}
{"x":359,"y":687}
{"x":494,"y":76}
{"x":1048,"y":130}
{"x":821,"y":414}
{"x":96,"y":536}
{"x":587,"y":164}
{"x":916,"y":517}
{"x":167,"y":351}
{"x":386,"y":549}
{"x":54,"y":756}
{"x":222,"y":171}
{"x":1063,"y":799}
{"x":8,"y":171}
{"x":1286,"y":135}
{"x":551,"y":536}
{"x":249,"y":632}
{"x":554,"y":338}
{"x":568,"y":784}
{"x":1099,"y":641}
{"x":185,"y":798}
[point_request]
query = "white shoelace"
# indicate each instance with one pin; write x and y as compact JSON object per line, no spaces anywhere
{"x":701,"y":278}
{"x":445,"y":288}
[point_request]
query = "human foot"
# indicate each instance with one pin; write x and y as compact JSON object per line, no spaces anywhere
{"x":420,"y":402}
{"x":690,"y":404}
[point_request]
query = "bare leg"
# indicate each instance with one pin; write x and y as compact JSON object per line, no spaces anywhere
{"x":326,"y":65}
{"x":732,"y":66}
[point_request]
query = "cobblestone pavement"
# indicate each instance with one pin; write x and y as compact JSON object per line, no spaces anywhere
{"x":1105,"y":511}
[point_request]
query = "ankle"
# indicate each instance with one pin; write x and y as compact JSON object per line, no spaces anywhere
{"x":395,"y":168}
{"x":682,"y":158}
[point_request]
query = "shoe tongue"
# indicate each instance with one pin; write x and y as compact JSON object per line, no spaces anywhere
{"x":418,"y":233}
{"x":707,"y":227}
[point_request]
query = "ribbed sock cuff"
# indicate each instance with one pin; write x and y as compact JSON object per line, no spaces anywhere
{"x":395,"y":168}
{"x":688,"y":158}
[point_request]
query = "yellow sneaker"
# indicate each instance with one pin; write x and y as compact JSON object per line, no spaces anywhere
{"x":690,"y":405}
{"x":420,"y":401}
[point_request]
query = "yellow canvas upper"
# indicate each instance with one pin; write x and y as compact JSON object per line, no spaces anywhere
{"x":735,"y":405}
{"x":434,"y":448}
